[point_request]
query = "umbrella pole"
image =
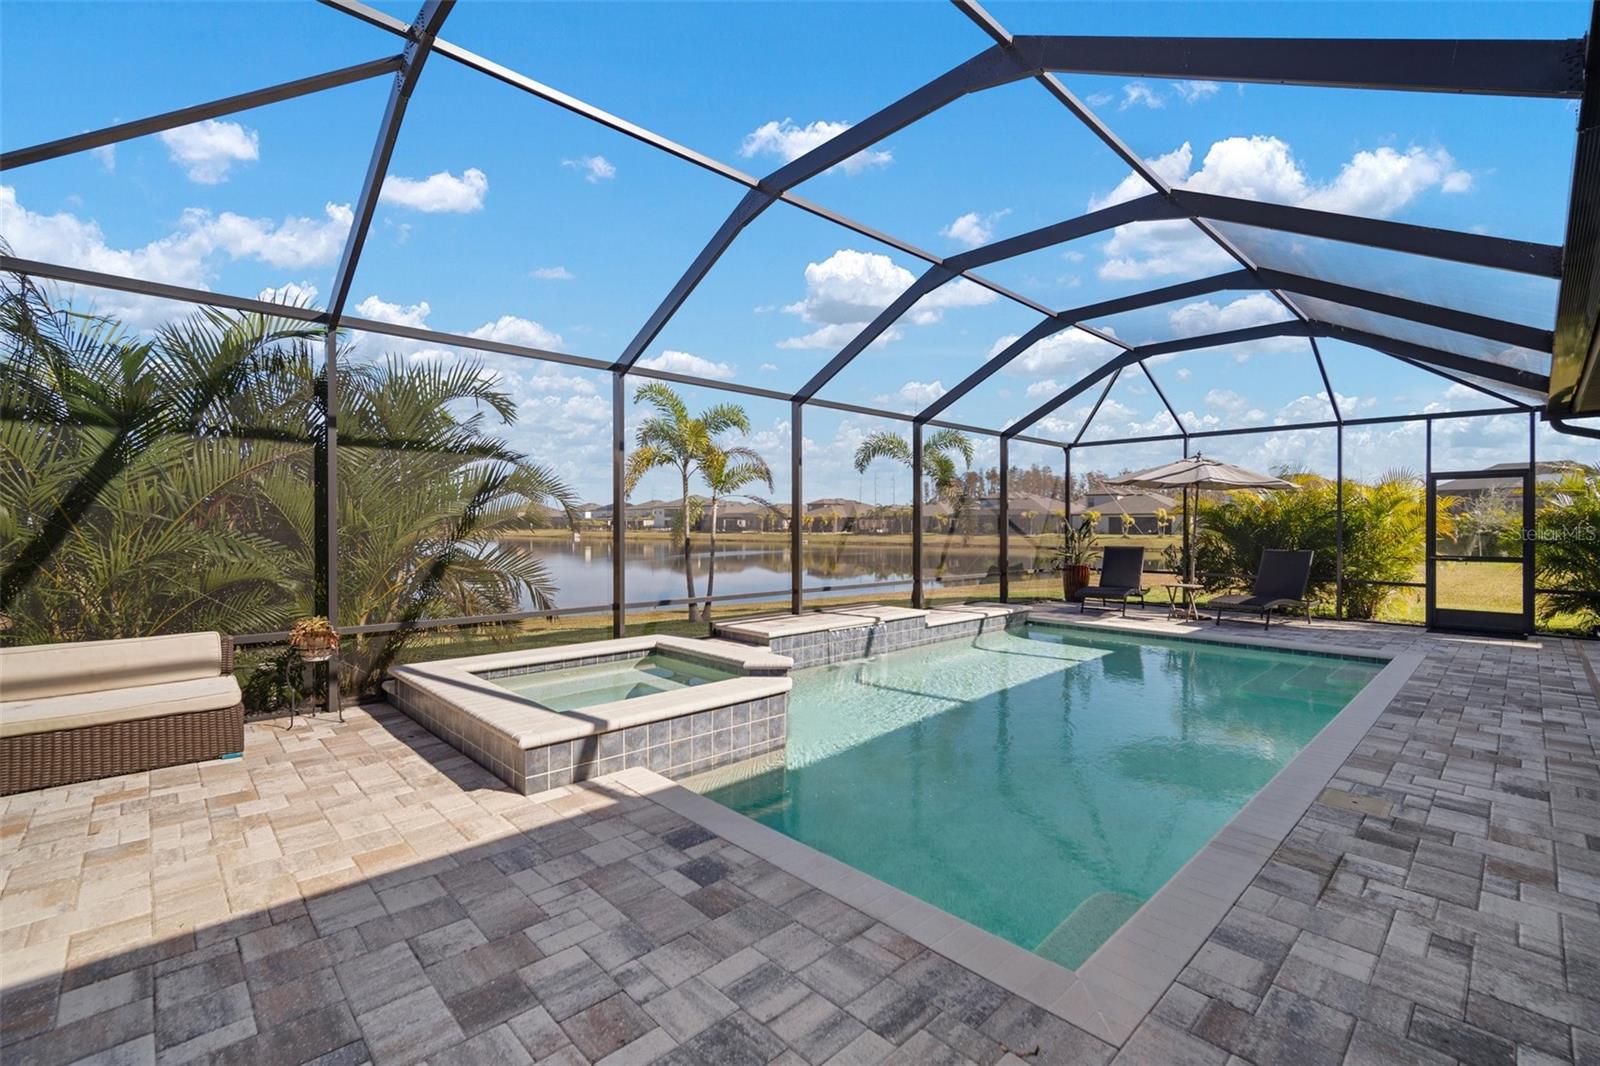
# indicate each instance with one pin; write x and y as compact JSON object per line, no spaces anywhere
{"x":1188,"y":555}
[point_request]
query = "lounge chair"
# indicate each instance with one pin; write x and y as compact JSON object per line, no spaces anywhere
{"x":1281,"y":581}
{"x":1121,"y":578}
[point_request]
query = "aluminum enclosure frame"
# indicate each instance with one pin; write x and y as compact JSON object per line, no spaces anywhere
{"x":1554,"y":68}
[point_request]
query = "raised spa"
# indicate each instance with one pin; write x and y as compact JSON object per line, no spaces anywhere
{"x":572,"y":688}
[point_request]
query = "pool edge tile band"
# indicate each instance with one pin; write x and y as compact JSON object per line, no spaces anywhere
{"x":1110,"y":994}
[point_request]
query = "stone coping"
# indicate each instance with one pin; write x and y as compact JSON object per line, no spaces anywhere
{"x":458,"y":683}
{"x":1117,"y":986}
{"x":779,"y":626}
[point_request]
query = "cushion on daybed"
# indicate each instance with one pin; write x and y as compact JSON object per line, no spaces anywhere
{"x":78,"y":710}
{"x":42,"y":671}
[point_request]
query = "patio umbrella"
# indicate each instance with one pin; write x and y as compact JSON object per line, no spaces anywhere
{"x":1197,"y":472}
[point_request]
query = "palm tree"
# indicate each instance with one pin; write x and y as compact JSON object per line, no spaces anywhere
{"x":166,"y":483}
{"x":726,"y":472}
{"x":939,"y":450}
{"x":672,"y":439}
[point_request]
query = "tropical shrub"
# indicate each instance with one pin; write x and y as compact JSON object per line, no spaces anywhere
{"x":166,"y":483}
{"x":1567,"y":549}
{"x":1384,"y":527}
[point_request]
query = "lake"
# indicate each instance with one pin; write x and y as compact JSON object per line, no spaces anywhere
{"x":581,"y":570}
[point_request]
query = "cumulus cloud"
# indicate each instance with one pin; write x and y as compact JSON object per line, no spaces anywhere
{"x":687,"y":363}
{"x":1204,"y":316}
{"x":788,"y":141}
{"x":913,"y":395}
{"x":208,"y":150}
{"x":188,"y":256}
{"x":594,"y":168}
{"x":1067,"y":354}
{"x":107,"y":154}
{"x":441,"y":192}
{"x":973,"y":229}
{"x":1374,"y":183}
{"x":296,"y":293}
{"x":553,"y":273}
{"x":845,"y":291}
{"x":509,"y":329}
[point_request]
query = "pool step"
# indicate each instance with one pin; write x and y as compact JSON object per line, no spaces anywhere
{"x":1087,"y":927}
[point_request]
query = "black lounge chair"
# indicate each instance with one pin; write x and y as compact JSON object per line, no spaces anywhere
{"x":1280,"y":582}
{"x":1121,"y":577}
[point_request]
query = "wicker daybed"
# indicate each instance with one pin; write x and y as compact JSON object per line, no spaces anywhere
{"x":74,"y":712}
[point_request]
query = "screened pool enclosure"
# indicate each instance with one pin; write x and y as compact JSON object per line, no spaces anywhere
{"x":609,"y":382}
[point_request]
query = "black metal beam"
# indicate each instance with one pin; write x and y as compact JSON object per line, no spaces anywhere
{"x":141,"y":287}
{"x":1499,"y":253}
{"x":185,"y":116}
{"x":1134,"y":355}
{"x":420,"y":43}
{"x":370,"y":15}
{"x":1141,"y":209}
{"x":1539,"y":340}
{"x":797,"y":507}
{"x":1552,"y":68}
{"x":1077,"y":316}
{"x":619,"y":505}
{"x":991,"y":67}
{"x":1506,"y":375}
{"x":931,"y":279}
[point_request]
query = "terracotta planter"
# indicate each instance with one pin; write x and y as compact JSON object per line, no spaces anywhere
{"x":1073,"y":578}
{"x":315,"y":650}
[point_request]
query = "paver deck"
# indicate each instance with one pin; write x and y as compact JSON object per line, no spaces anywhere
{"x":362,"y":892}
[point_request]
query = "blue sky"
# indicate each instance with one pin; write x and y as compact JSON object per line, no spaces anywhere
{"x":510,"y":218}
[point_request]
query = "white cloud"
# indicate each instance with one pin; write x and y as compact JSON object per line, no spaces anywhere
{"x":441,"y":192}
{"x":845,"y":291}
{"x":913,"y":394}
{"x":687,"y":363}
{"x":509,"y":329}
{"x":1183,"y":373}
{"x":1202,"y":317}
{"x":381,"y":310}
{"x":187,"y":256}
{"x":209,"y":149}
{"x":973,"y":229}
{"x":1047,"y":387}
{"x":594,"y":168}
{"x":553,"y":273}
{"x":1067,"y":354}
{"x":1138,"y":94}
{"x":787,"y":141}
{"x":1374,"y":183}
{"x":769,"y":367}
{"x":1192,"y":92}
{"x":107,"y":154}
{"x":297,"y":293}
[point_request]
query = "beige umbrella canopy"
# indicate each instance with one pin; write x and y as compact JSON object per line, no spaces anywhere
{"x":1198,"y":472}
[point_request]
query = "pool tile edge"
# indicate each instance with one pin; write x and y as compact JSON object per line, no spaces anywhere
{"x":1198,"y":897}
{"x":1113,"y":991}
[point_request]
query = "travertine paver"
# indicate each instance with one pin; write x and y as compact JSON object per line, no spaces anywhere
{"x":363,"y":892}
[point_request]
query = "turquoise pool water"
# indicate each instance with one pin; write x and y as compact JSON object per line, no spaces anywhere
{"x":1043,"y":782}
{"x":572,"y":688}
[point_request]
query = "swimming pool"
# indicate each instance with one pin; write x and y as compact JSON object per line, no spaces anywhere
{"x":1041,"y":782}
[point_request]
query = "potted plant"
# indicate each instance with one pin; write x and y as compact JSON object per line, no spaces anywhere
{"x":313,"y":639}
{"x":1077,"y":548}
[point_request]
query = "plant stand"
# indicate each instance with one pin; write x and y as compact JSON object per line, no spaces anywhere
{"x":300,"y":677}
